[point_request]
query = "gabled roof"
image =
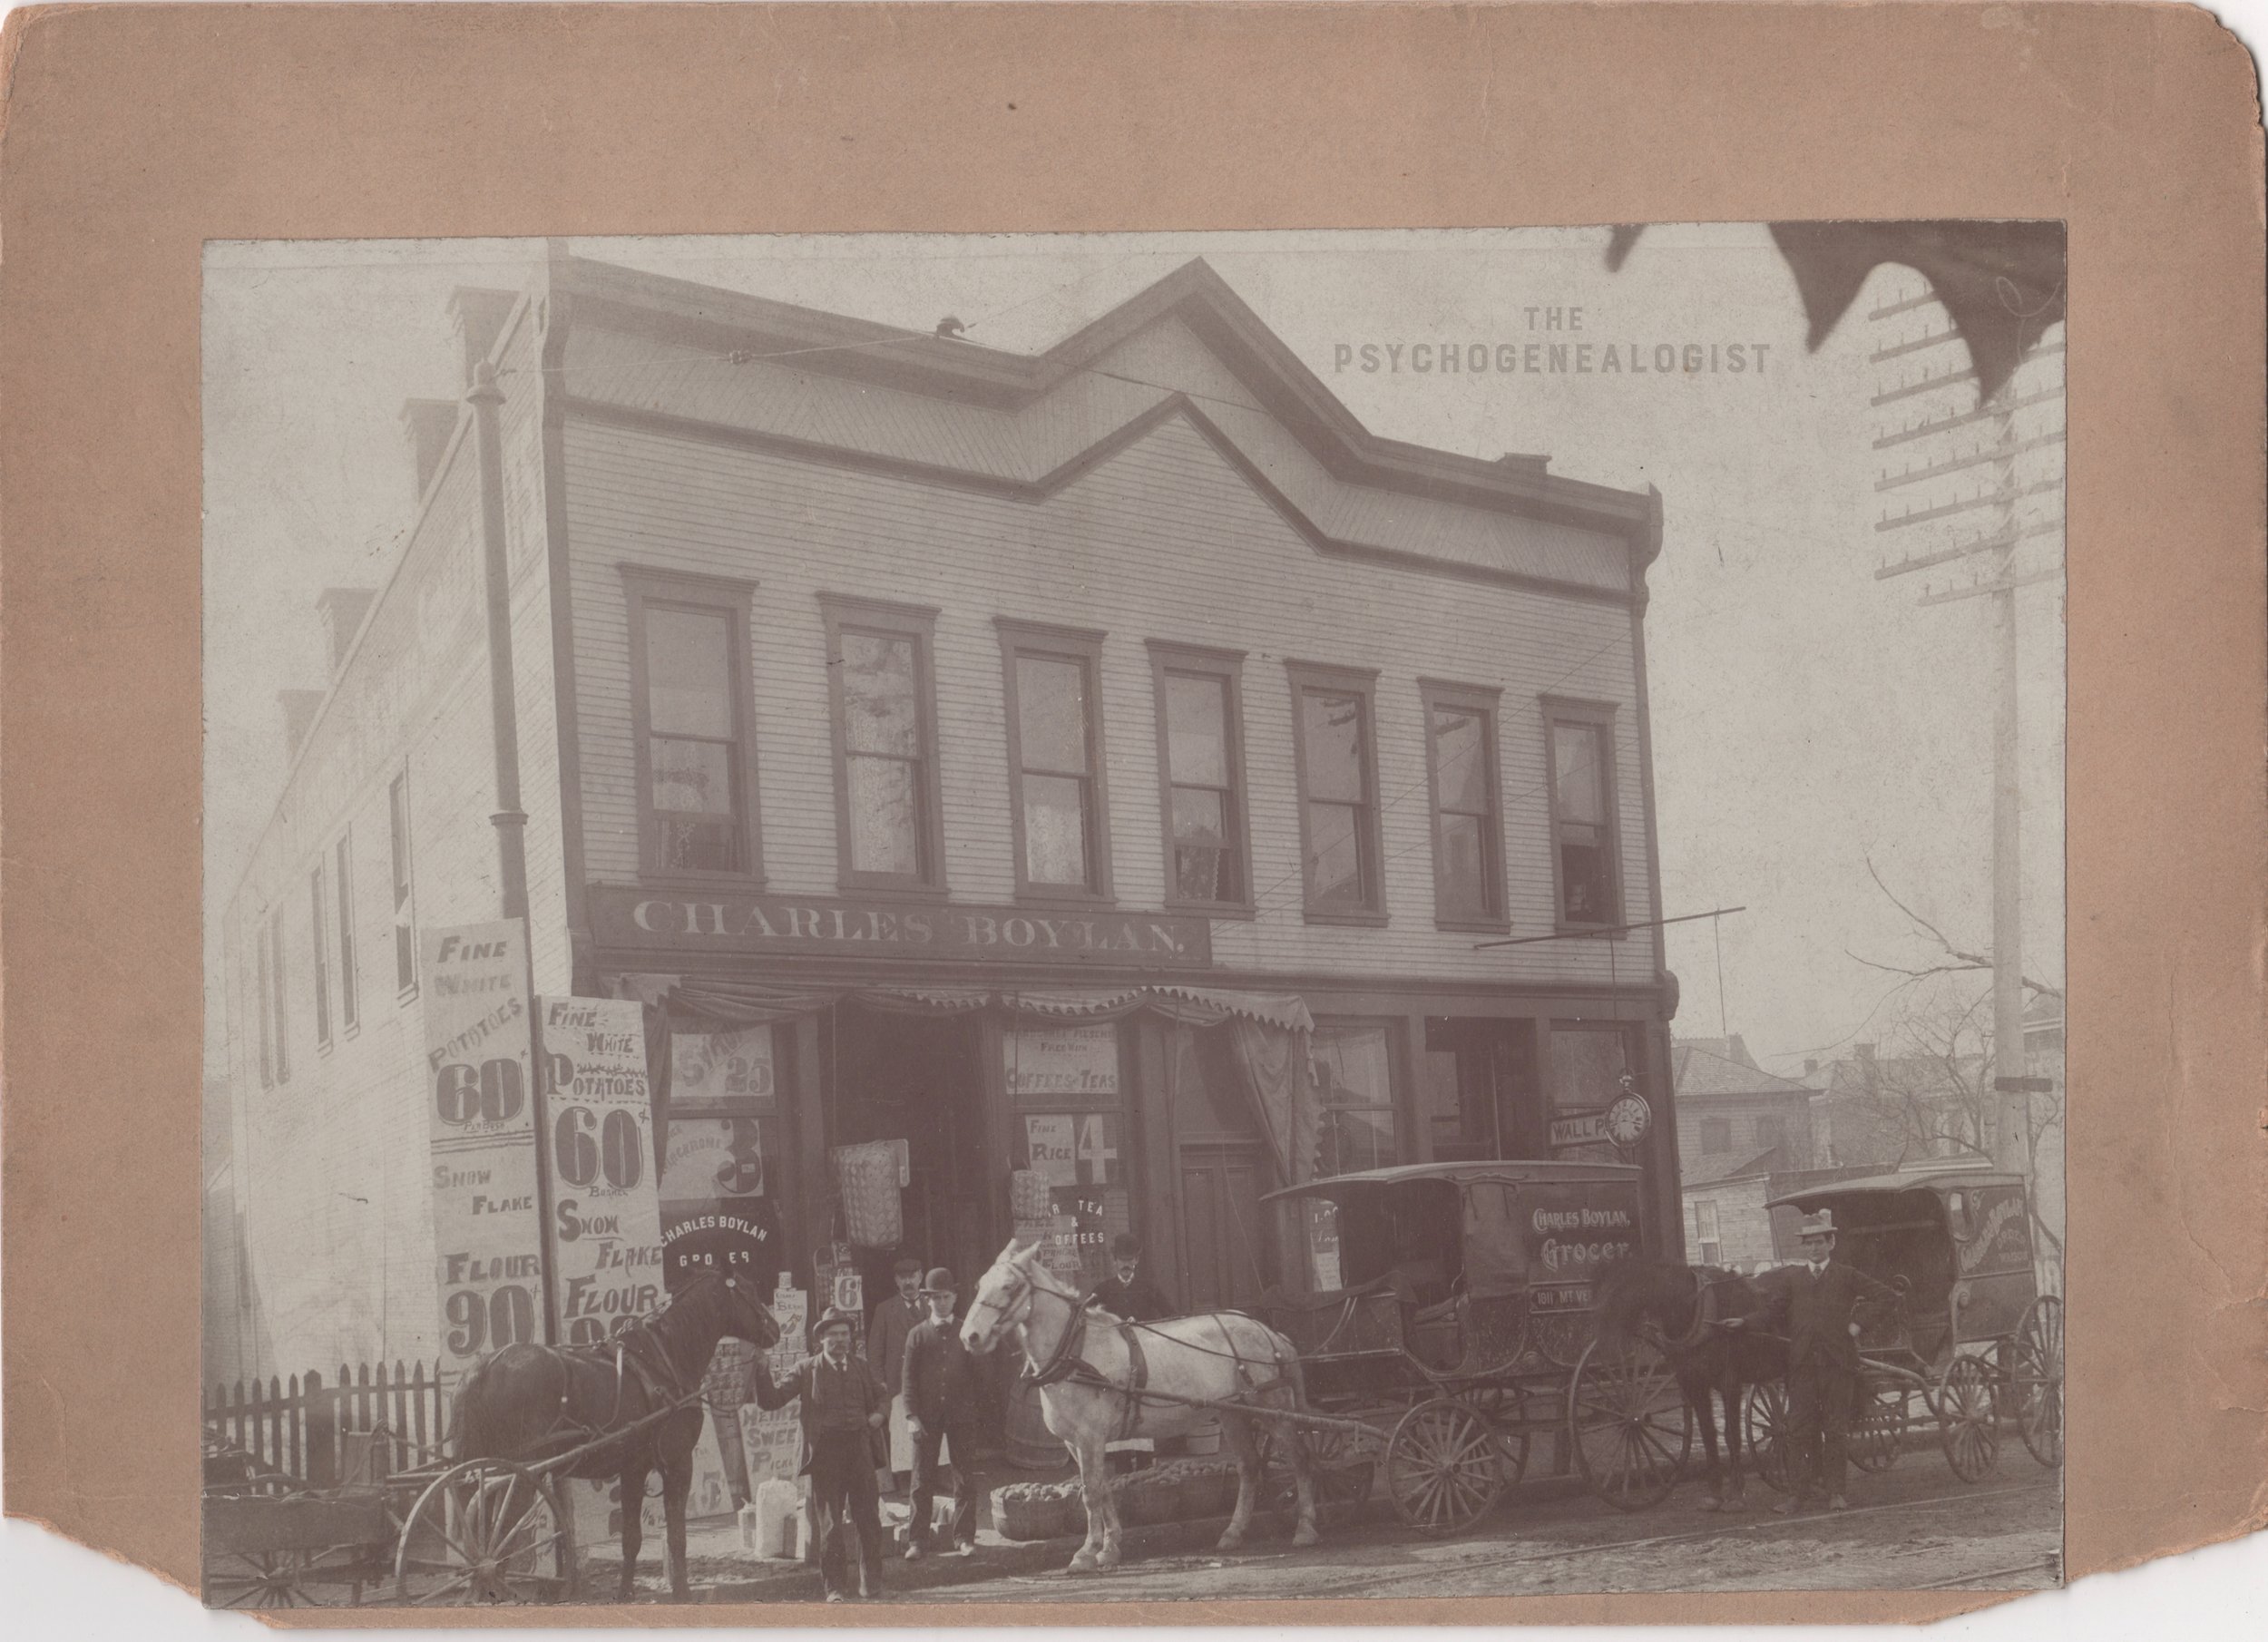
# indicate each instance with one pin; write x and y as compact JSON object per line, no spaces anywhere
{"x":1703,"y":1067}
{"x":732,"y":323}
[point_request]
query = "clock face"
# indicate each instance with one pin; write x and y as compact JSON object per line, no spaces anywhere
{"x":1628,"y":1119}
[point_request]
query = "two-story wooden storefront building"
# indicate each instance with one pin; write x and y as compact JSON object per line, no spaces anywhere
{"x":1109,"y":765}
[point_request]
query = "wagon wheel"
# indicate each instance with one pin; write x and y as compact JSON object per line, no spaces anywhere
{"x":1629,"y":1425}
{"x":1331,"y":1451}
{"x":485,"y":1532}
{"x":1766,"y":1432}
{"x":1443,"y":1466}
{"x":1967,"y":1418}
{"x":1878,"y":1428}
{"x":278,"y":1578}
{"x":2037,"y":1374}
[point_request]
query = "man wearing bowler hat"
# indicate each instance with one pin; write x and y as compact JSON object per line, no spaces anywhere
{"x":844,"y":1409}
{"x":941,"y":1388}
{"x":1126,"y":1292}
{"x":1812,"y":1303}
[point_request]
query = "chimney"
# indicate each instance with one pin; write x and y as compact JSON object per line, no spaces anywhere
{"x":299,"y":709}
{"x":343,"y":609}
{"x":479,"y":315}
{"x":428,"y":424}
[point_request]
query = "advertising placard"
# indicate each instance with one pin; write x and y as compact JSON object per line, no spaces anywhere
{"x":487,"y":1232}
{"x":716,"y":1213}
{"x":605,"y":1231}
{"x":1064,"y":1065}
{"x":723,"y":1071}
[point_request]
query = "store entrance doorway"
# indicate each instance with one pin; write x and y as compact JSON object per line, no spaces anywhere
{"x":915,"y":1079}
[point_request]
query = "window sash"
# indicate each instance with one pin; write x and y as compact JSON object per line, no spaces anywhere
{"x":349,"y":977}
{"x":1201,"y":777}
{"x":1338,"y":813}
{"x":319,"y":946}
{"x":1056,"y":792}
{"x":881,"y":696}
{"x":405,"y":915}
{"x":691,"y":718}
{"x":1585,"y":859}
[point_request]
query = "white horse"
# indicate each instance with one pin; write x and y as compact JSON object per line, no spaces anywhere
{"x":1105,"y":1381}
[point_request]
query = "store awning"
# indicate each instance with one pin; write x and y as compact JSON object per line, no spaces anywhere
{"x":742,"y":1003}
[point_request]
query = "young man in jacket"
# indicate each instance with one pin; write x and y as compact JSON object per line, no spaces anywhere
{"x":940,"y":1389}
{"x":843,"y":1406}
{"x":1814,"y":1305}
{"x":1126,"y":1292}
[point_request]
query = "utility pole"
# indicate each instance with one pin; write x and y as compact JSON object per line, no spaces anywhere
{"x":1934,"y":445}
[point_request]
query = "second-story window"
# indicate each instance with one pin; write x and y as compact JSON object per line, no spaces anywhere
{"x":1337,"y":757}
{"x":404,"y":910}
{"x":888,"y":831}
{"x":1468,"y":838}
{"x":1055,"y":760}
{"x":687,"y":645}
{"x":349,"y":970}
{"x":320,"y":949}
{"x":1581,"y":763}
{"x":1200,"y":756}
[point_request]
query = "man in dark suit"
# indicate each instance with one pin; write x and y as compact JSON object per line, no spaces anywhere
{"x":941,"y":1388}
{"x":845,"y":1408}
{"x":1126,"y":1292}
{"x":1813,"y":1305}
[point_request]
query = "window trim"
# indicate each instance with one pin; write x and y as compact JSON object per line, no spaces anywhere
{"x":349,"y":967}
{"x":1363,"y":683}
{"x":1020,"y":638}
{"x":1600,"y":716}
{"x":733,"y":599}
{"x":403,"y":862}
{"x":1486,"y":700}
{"x":280,"y":993}
{"x":917,"y":623}
{"x":319,"y":970}
{"x":1168,"y":657}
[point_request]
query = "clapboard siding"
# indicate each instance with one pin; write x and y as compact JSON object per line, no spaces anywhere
{"x":1164,"y":540}
{"x":332,"y":1164}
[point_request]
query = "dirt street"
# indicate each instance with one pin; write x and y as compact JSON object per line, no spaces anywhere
{"x":1917,"y":1526}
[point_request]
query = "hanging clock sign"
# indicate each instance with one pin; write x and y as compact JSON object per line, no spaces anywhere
{"x":1624,"y":1122}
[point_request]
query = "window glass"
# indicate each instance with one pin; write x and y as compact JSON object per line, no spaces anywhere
{"x":1332,"y":726}
{"x":1354,"y":1069}
{"x":1335,"y":859}
{"x":884,"y":816}
{"x":1586,"y":1067}
{"x":1051,"y":714}
{"x":1054,"y":829}
{"x":1580,"y":783}
{"x":1202,"y":866}
{"x":1460,"y":766}
{"x":881,"y":704}
{"x":689,"y":673}
{"x":1196,"y":740}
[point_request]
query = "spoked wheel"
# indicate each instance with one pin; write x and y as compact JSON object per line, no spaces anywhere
{"x":1343,"y":1464}
{"x":2037,"y":1369}
{"x":1878,"y":1425}
{"x":1967,"y":1418}
{"x":1629,"y":1425}
{"x":484,"y":1533}
{"x":1505,"y":1408}
{"x":1765,"y":1431}
{"x":278,"y":1578}
{"x":1443,"y":1466}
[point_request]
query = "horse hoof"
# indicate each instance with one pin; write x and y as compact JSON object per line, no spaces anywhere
{"x":1733,"y":1505}
{"x":1230,"y":1542}
{"x":1305,"y":1535}
{"x":1712,"y":1504}
{"x":1083,"y":1563}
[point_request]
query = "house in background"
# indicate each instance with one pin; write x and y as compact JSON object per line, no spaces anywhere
{"x":1741,"y":1132}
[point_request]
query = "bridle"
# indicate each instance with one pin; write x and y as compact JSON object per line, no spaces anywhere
{"x":1014,"y":1309}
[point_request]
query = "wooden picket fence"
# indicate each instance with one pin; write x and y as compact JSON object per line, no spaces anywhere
{"x":363,"y":1427}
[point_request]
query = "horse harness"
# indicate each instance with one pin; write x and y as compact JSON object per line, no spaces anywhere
{"x":1067,"y":1363}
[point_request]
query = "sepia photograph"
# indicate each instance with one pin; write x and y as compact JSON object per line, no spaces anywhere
{"x":951,"y":919}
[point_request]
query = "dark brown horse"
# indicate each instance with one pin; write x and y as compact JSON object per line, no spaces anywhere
{"x":530,"y":1402}
{"x":1689,"y":1312}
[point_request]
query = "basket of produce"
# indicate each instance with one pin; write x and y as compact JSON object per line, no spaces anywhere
{"x":1039,"y":1511}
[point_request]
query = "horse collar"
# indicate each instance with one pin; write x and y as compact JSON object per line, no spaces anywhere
{"x":1063,"y":1361}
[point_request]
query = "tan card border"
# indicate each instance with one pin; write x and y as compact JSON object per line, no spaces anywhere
{"x":133,"y":135}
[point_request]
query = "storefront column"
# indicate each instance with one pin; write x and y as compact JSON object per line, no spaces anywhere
{"x":810,"y":1089}
{"x":1157,"y":1172}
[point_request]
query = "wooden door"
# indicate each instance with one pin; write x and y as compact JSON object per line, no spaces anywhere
{"x":1221,"y":1229}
